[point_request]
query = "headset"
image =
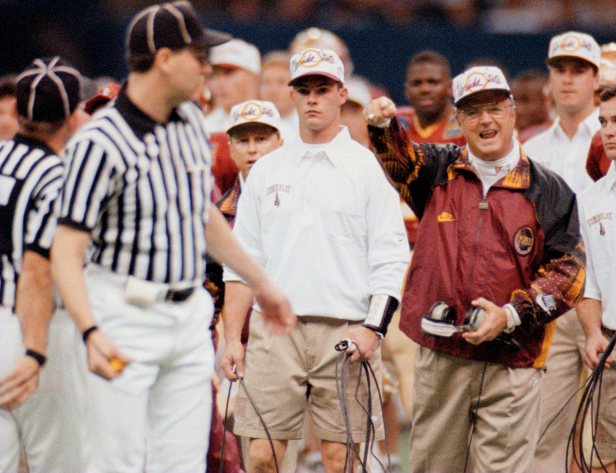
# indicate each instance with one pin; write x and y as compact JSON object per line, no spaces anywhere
{"x":440,"y":321}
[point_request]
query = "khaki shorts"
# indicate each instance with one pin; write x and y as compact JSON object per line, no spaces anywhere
{"x":289,"y":374}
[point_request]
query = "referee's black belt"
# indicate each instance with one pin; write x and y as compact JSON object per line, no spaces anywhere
{"x":179,"y":295}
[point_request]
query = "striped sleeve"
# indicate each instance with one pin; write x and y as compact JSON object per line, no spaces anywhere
{"x":87,"y":184}
{"x":40,"y":223}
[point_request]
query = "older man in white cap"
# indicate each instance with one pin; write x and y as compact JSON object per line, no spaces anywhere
{"x":497,"y":257}
{"x":321,"y":216}
{"x":573,"y":64}
{"x":235,"y":78}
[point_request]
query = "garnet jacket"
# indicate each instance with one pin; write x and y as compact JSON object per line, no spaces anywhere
{"x":520,"y":245}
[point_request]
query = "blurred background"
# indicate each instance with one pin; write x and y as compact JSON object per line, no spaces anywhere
{"x":381,"y":34}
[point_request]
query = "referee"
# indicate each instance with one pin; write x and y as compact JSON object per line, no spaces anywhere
{"x":48,"y":93}
{"x":136,"y":193}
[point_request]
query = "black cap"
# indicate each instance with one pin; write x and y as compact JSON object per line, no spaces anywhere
{"x":170,"y":25}
{"x":49,"y":90}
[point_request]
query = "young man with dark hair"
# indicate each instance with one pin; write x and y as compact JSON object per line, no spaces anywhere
{"x":573,"y":76}
{"x":322,"y":218}
{"x":36,"y":349}
{"x":596,"y":311}
{"x":137,"y":193}
{"x":431,"y":117}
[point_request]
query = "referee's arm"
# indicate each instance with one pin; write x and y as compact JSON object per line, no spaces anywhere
{"x":225,"y":249}
{"x":34,"y":307}
{"x":67,"y":257}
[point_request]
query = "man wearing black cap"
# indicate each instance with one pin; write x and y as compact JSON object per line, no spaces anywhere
{"x":48,"y":94}
{"x":137,"y":193}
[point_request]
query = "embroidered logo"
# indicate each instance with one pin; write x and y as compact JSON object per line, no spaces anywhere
{"x":523,"y":241}
{"x":546,"y":302}
{"x":277,"y":189}
{"x":445,"y":217}
{"x":598,"y":219}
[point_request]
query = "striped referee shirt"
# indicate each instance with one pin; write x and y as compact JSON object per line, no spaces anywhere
{"x":30,"y":183}
{"x":141,"y":189}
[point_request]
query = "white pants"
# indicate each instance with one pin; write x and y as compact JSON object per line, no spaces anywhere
{"x":155,"y":417}
{"x":48,"y":426}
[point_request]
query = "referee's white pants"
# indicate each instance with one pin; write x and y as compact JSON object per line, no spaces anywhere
{"x":155,"y":417}
{"x":48,"y":426}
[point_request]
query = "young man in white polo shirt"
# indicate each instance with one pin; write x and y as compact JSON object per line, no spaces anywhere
{"x":573,"y":64}
{"x":321,"y":217}
{"x":597,"y":207}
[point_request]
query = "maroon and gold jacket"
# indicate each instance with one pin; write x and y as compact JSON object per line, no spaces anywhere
{"x":520,"y":245}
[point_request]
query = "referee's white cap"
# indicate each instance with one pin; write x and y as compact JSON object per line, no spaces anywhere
{"x":575,"y":44}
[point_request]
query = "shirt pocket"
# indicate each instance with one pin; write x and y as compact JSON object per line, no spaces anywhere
{"x":343,"y":220}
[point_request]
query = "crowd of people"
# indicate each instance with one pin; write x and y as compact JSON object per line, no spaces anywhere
{"x":278,"y":229}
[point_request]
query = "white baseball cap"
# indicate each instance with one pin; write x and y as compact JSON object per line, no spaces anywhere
{"x":316,"y":62}
{"x":255,"y":111}
{"x":575,"y":44}
{"x":237,"y":54}
{"x":477,"y":80}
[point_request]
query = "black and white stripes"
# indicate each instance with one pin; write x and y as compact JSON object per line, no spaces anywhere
{"x":30,"y":183}
{"x":142,"y":190}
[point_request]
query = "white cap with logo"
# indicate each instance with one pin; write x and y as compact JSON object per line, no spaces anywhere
{"x":236,"y":54}
{"x":255,"y":111}
{"x":575,"y":44}
{"x":478,"y":80}
{"x":316,"y":62}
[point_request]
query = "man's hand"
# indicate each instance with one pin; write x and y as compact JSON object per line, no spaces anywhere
{"x":594,"y":346}
{"x":494,"y":323}
{"x":19,"y":384}
{"x":278,"y":316}
{"x":366,"y":342}
{"x":104,"y":357}
{"x":233,"y":360}
{"x":379,"y":112}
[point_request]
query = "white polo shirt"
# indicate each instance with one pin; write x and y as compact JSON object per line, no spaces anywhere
{"x":597,"y":208}
{"x":326,"y":225}
{"x":566,"y":157}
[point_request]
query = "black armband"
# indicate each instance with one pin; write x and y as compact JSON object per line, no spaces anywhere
{"x":381,"y":311}
{"x":39,"y":357}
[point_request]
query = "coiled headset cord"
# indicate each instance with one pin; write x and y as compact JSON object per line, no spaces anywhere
{"x":347,"y":347}
{"x":590,"y":402}
{"x":240,"y":380}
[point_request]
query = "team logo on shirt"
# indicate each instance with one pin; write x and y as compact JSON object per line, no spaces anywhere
{"x":523,"y":241}
{"x":277,"y":189}
{"x":597,"y":219}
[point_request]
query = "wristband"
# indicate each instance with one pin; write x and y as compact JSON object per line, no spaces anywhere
{"x":510,"y":325}
{"x":39,"y":357}
{"x":382,"y":308}
{"x":87,"y":332}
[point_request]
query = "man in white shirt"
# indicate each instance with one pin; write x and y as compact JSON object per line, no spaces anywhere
{"x":573,"y":64}
{"x":596,"y":312}
{"x":236,"y":67}
{"x":322,"y":218}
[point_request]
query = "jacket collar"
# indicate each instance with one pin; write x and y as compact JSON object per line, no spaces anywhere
{"x":517,"y":179}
